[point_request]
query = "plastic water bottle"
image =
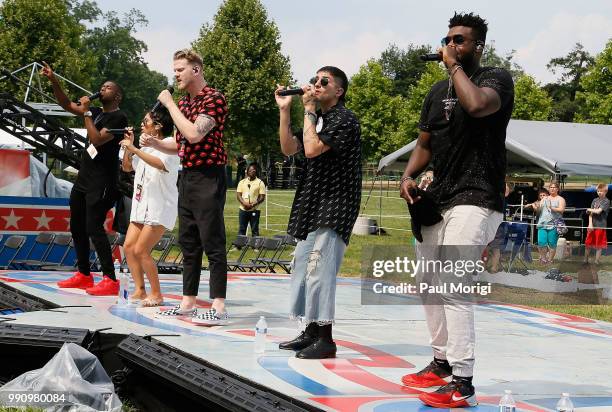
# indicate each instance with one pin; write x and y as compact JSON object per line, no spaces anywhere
{"x":261,"y":330}
{"x":565,"y":403}
{"x":506,"y":403}
{"x":122,"y":296}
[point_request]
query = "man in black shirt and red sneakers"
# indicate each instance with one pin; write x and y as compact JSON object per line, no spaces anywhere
{"x":200,"y":119}
{"x":463,"y":131}
{"x":325,"y":206}
{"x":95,"y":191}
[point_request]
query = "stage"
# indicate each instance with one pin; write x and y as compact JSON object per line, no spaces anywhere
{"x":535,"y":353}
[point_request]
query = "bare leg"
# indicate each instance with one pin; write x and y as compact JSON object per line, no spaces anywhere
{"x":495,"y":256}
{"x":598,"y":255}
{"x":129,"y":246}
{"x":219,"y":304}
{"x":552,"y":252}
{"x":149,"y":236}
{"x":587,"y":252}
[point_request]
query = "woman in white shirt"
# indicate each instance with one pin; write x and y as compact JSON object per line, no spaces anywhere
{"x":154,"y":203}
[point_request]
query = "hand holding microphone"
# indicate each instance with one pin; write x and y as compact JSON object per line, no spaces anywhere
{"x":164,"y":98}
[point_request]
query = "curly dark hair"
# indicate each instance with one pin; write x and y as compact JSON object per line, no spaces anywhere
{"x":477,"y":23}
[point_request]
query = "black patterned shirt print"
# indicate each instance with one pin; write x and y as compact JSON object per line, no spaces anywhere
{"x":329,"y":192}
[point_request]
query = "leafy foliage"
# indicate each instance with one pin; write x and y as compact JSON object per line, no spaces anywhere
{"x":242,"y":58}
{"x":403,"y":67}
{"x":530,"y":102}
{"x":596,"y":97}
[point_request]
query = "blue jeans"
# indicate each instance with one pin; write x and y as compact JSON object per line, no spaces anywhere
{"x":313,"y":276}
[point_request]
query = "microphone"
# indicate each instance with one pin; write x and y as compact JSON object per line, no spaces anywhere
{"x":290,"y":92}
{"x":158,"y":103}
{"x":117,"y":131}
{"x":94,"y":96}
{"x":431,"y":57}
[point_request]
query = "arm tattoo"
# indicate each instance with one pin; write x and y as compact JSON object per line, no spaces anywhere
{"x":204,"y":124}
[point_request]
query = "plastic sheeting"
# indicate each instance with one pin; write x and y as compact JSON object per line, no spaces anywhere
{"x":73,"y":374}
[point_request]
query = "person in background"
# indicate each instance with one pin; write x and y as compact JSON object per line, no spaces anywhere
{"x":501,"y":237}
{"x":598,"y":219}
{"x":154,"y":202}
{"x":250,"y":193}
{"x":550,"y":209}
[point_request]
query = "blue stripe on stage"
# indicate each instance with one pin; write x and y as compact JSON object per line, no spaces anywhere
{"x":560,"y":330}
{"x":280,"y":368}
{"x":579,"y":402}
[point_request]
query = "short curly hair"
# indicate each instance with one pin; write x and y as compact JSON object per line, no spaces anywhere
{"x":477,"y":23}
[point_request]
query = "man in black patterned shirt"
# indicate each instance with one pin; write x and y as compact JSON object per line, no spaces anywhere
{"x":463,"y":132}
{"x":325,"y":206}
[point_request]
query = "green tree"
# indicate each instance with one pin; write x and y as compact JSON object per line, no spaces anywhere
{"x":433,"y":74}
{"x":531,"y":102}
{"x":403,"y":67}
{"x":572,"y":68}
{"x":37,"y":30}
{"x":119,"y":58}
{"x":596,"y":97}
{"x":379,"y":112}
{"x":242,"y":57}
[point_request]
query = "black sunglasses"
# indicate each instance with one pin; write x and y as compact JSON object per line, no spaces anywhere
{"x":457,"y":39}
{"x":324,"y":81}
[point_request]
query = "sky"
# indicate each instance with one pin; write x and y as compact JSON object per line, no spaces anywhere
{"x":347,"y":33}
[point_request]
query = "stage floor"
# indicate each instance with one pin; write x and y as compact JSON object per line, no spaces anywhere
{"x":536,"y":354}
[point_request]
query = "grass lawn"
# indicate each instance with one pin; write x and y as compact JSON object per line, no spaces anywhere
{"x":396,"y":224}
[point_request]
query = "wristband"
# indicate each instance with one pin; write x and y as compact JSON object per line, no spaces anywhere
{"x":405,"y":178}
{"x":311,"y":115}
{"x":454,"y":69}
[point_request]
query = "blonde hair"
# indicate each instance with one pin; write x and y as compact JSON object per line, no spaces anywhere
{"x":602,"y":186}
{"x":190,"y":55}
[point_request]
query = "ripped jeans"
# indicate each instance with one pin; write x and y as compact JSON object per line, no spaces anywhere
{"x":313,"y":276}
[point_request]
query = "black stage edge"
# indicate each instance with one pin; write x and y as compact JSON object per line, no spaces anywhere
{"x":11,"y":298}
{"x":187,"y":382}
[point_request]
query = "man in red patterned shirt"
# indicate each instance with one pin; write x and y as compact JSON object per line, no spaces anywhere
{"x":199,"y":118}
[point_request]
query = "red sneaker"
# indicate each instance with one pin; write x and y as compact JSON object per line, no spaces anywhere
{"x":431,"y":375}
{"x":78,"y":280}
{"x":453,"y":395}
{"x":106,"y":287}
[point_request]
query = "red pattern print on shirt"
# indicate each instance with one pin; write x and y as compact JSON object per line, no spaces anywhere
{"x":212,"y":103}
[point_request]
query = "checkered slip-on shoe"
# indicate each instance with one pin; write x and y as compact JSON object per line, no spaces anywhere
{"x":211,"y":318}
{"x":176,"y":312}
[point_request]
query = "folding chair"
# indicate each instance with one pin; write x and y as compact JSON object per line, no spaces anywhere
{"x":285,"y":264}
{"x":38,"y":251}
{"x":13,"y":245}
{"x":248,"y":252}
{"x":518,"y":248}
{"x":256,"y":245}
{"x":242,"y":243}
{"x":271,"y":250}
{"x":174,"y":265}
{"x":65,"y":242}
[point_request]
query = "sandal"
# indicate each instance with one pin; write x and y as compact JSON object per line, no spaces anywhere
{"x":150,"y":303}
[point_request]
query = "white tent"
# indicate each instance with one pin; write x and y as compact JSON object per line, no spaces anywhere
{"x":544,"y":147}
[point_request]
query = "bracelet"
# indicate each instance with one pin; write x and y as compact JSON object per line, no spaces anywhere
{"x":311,"y":115}
{"x":454,"y":69}
{"x":405,"y":178}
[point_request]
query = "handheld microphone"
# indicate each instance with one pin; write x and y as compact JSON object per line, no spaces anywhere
{"x":158,"y":103}
{"x":94,"y":96}
{"x":290,"y":92}
{"x":117,"y":131}
{"x":431,"y":57}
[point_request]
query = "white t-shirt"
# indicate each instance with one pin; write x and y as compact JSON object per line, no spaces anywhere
{"x":155,"y":199}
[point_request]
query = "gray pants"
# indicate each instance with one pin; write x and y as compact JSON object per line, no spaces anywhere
{"x":313,"y":277}
{"x":451,"y":323}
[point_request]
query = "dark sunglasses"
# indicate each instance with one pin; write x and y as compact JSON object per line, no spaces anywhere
{"x":324,"y":80}
{"x":457,"y":39}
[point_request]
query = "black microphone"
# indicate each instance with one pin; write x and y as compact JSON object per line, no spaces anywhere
{"x":94,"y":96}
{"x":158,"y":103}
{"x":290,"y":92}
{"x":431,"y":57}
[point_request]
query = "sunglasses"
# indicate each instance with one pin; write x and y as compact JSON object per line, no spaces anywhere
{"x":457,"y":39}
{"x":324,"y":80}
